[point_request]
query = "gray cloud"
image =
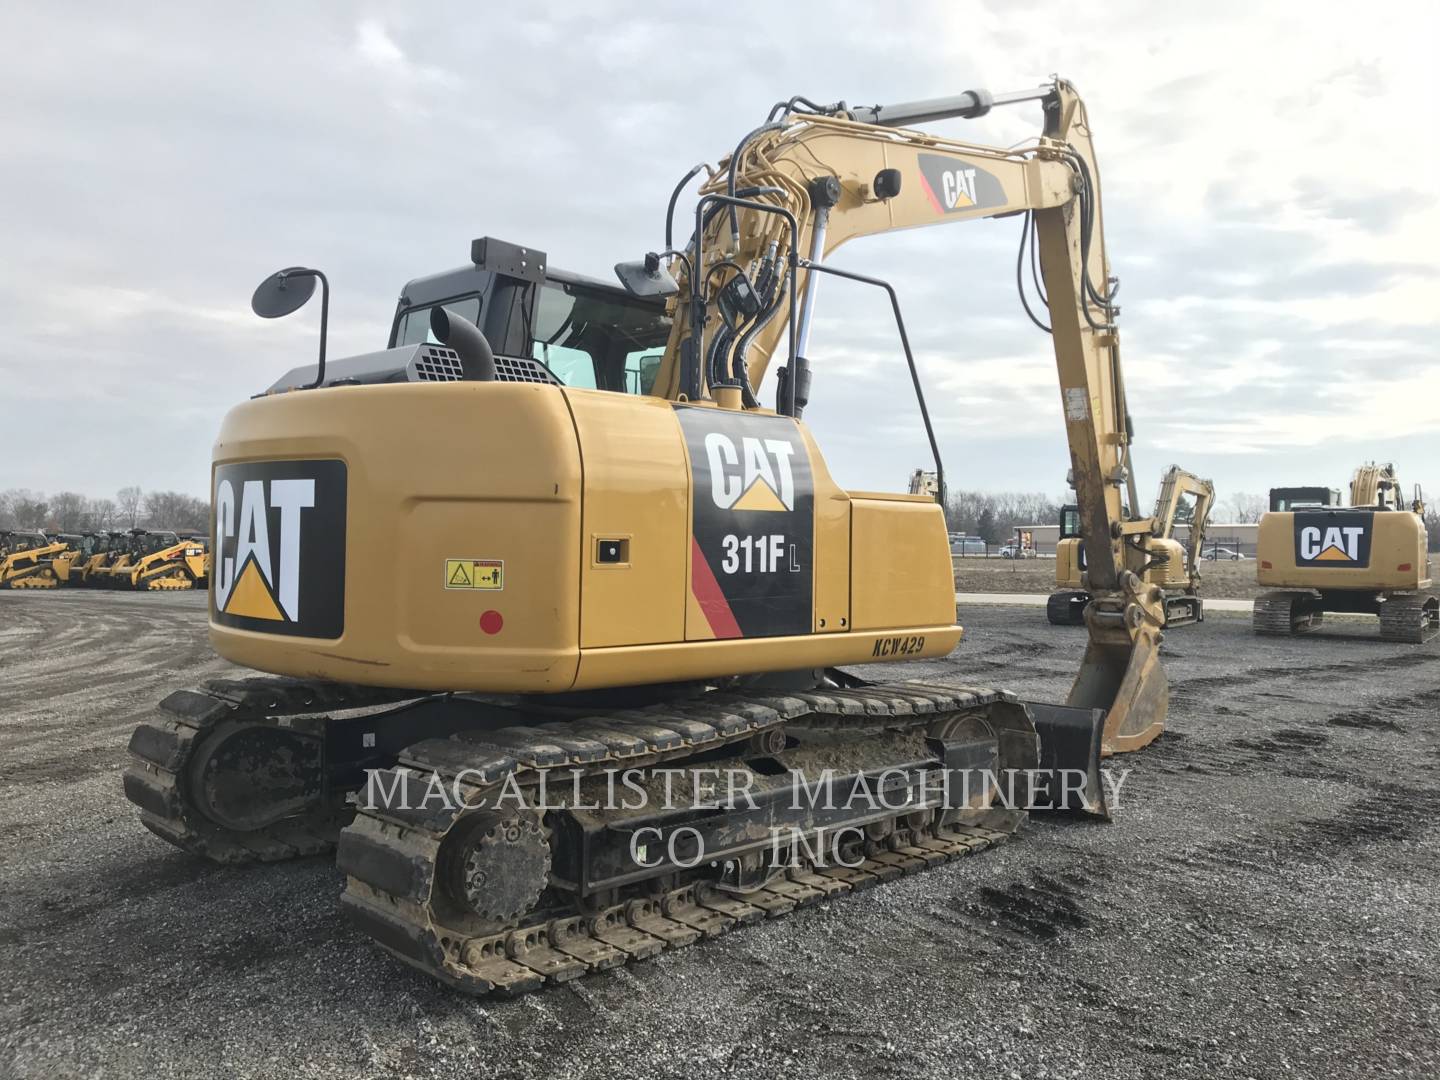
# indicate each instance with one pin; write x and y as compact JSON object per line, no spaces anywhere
{"x":159,"y":163}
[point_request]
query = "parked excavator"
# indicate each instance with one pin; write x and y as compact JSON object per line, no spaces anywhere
{"x":1370,"y":557}
{"x":923,"y":482}
{"x":570,"y":542}
{"x":1172,"y":567}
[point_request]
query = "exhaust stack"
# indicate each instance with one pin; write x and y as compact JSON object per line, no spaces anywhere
{"x":466,"y":339}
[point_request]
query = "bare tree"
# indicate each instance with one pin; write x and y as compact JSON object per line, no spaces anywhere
{"x":100,"y":514}
{"x":27,"y":509}
{"x":175,"y":510}
{"x":128,"y":501}
{"x":1002,"y":512}
{"x":68,"y":511}
{"x":1244,"y":508}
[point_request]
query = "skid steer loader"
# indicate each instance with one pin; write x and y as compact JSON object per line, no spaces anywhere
{"x":101,"y":549}
{"x":164,"y":561}
{"x":634,"y":611}
{"x":25,"y":560}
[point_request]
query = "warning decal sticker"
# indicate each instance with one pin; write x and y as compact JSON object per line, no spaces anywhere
{"x":484,"y":574}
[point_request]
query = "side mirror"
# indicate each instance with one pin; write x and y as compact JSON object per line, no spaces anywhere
{"x":646,"y":277}
{"x":283,"y":292}
{"x":286,"y":291}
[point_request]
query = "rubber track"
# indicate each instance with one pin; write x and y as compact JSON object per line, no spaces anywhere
{"x":1410,"y":617}
{"x":390,"y":856}
{"x":163,"y":748}
{"x":1274,"y":614}
{"x":1062,"y":611}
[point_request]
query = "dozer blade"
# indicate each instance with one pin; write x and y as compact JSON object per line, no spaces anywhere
{"x":1121,"y":672}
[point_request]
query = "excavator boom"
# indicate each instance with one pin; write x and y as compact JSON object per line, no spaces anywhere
{"x":813,"y":181}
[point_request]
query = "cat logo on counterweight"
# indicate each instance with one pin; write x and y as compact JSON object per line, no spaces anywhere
{"x":279,"y":529}
{"x":1332,"y":539}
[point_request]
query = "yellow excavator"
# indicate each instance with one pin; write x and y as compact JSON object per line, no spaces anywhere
{"x":924,"y":483}
{"x":25,"y":559}
{"x":623,"y":569}
{"x":1172,"y":567}
{"x":1370,"y":557}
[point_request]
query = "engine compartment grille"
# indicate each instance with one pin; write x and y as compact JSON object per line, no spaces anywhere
{"x":519,"y":369}
{"x":436,"y":363}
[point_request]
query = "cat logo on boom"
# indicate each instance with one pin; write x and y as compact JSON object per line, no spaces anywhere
{"x":279,"y":530}
{"x":954,"y":186}
{"x":1338,"y":540}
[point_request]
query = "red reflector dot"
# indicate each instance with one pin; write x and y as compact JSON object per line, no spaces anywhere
{"x":491,"y":622}
{"x":1404,"y":566}
{"x":1265,"y":564}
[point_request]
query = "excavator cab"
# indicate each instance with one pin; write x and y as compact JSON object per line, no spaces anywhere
{"x":587,"y":333}
{"x":1286,"y":499}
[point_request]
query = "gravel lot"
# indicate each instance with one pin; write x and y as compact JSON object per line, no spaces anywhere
{"x":1263,"y":905}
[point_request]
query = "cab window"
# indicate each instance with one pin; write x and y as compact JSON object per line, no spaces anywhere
{"x":598,"y":339}
{"x":414,"y":325}
{"x":1069,"y":522}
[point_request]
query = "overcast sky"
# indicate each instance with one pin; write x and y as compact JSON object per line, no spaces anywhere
{"x":1269,"y":176}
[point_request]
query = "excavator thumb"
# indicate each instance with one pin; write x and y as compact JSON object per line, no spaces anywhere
{"x":1121,"y":672}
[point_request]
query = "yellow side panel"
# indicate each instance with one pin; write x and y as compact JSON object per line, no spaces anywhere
{"x":1170,"y":571}
{"x":899,"y":564}
{"x":1067,"y":564}
{"x":635,"y":495}
{"x":832,"y":546}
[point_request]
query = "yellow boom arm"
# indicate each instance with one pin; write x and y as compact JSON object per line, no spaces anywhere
{"x":811,"y":182}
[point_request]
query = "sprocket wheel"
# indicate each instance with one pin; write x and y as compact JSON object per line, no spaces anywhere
{"x":500,"y":871}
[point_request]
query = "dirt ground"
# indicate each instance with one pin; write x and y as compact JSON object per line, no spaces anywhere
{"x":1263,"y":904}
{"x":1221,"y":579}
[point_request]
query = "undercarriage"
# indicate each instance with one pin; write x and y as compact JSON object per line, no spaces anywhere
{"x":499,"y":844}
{"x":1066,"y":607}
{"x":1408,"y":617}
